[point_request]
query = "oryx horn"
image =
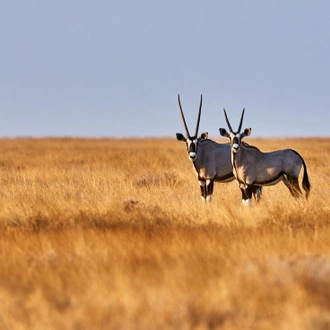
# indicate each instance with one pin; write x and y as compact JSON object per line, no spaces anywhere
{"x":182,"y":116}
{"x":228,"y":123}
{"x":199,"y":116}
{"x":241,"y":122}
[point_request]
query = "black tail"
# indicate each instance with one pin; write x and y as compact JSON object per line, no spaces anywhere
{"x":305,"y":183}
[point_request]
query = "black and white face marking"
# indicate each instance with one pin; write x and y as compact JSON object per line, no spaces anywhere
{"x":192,"y":147}
{"x":235,"y":138}
{"x":235,"y":141}
{"x":191,"y":144}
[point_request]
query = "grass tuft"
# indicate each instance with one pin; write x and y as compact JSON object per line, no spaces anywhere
{"x":112,"y":234}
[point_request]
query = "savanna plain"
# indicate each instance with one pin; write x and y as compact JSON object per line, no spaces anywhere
{"x":112,"y":234}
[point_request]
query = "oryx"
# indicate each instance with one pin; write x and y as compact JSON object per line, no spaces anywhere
{"x":253,"y":167}
{"x":211,"y":160}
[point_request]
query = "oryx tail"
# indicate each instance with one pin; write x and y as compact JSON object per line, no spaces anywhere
{"x":305,"y":182}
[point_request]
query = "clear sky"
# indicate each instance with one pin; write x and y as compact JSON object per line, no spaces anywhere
{"x":114,"y":68}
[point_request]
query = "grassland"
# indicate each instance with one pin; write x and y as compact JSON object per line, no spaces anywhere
{"x":112,"y":234}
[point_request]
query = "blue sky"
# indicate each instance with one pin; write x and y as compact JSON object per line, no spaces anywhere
{"x":114,"y":68}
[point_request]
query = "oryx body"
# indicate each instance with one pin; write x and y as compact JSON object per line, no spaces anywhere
{"x":253,"y":167}
{"x":211,"y":160}
{"x":211,"y":163}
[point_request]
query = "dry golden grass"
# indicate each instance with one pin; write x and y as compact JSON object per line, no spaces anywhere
{"x":112,"y":234}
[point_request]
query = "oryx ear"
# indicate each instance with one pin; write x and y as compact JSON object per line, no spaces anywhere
{"x":204,"y":135}
{"x":223,"y":132}
{"x":247,"y":131}
{"x":180,"y":137}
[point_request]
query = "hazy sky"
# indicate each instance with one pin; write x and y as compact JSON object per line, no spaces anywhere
{"x":114,"y":68}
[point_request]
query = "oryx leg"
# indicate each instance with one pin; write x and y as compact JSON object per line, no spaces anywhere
{"x":293,"y":184}
{"x":256,"y":190}
{"x":246,"y":194}
{"x":202,"y":184}
{"x":209,"y":190}
{"x":206,"y":189}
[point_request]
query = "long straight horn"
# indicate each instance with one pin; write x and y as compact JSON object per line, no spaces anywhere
{"x":199,"y":116}
{"x":183,"y":119}
{"x":241,"y":122}
{"x":228,"y":123}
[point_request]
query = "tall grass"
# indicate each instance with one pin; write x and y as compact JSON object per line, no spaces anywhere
{"x":112,"y":234}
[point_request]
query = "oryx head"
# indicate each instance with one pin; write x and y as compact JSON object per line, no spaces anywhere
{"x":192,"y":141}
{"x":235,"y":137}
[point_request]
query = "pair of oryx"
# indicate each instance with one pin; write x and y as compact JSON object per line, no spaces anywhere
{"x":214,"y":162}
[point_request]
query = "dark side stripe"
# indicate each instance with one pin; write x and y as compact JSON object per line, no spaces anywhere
{"x":224,"y":177}
{"x":269,"y":181}
{"x":219,"y":178}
